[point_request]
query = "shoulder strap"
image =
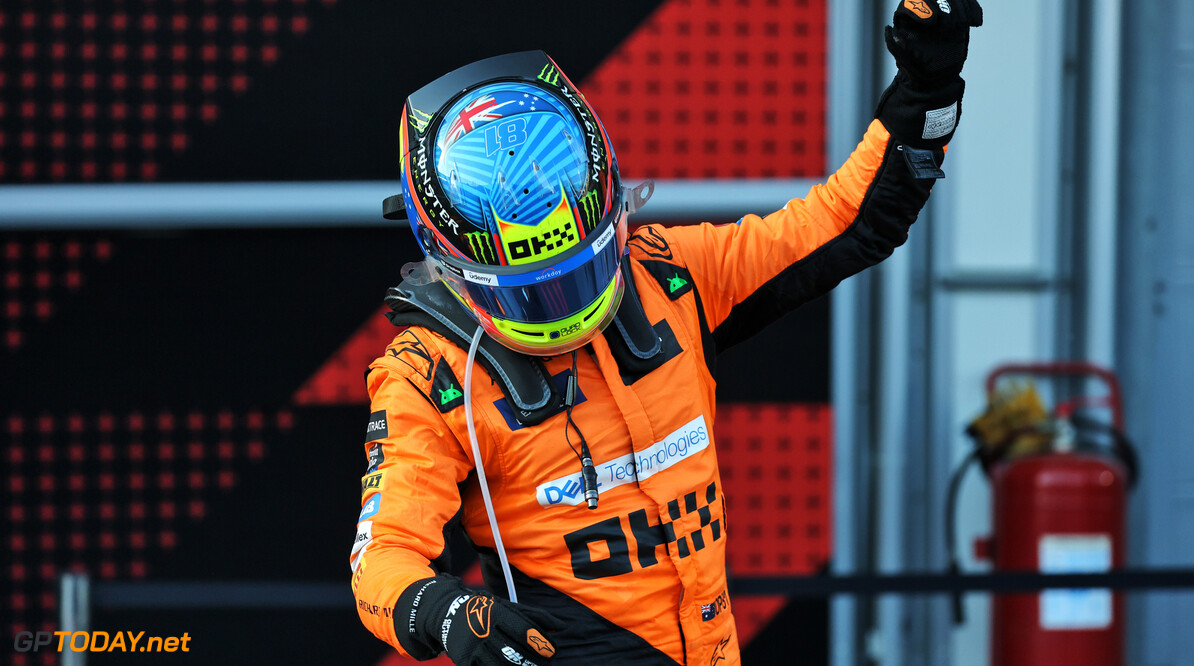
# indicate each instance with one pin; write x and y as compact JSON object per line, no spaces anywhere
{"x":523,"y":379}
{"x":631,"y":320}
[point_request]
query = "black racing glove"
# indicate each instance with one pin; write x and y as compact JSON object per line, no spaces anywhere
{"x":440,"y":615}
{"x":930,"y":40}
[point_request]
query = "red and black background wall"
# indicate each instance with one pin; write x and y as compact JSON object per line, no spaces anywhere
{"x":186,"y":404}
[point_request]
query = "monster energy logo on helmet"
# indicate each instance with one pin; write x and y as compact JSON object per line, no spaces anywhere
{"x":549,"y":75}
{"x":589,"y":210}
{"x":481,"y":245}
{"x":419,"y":119}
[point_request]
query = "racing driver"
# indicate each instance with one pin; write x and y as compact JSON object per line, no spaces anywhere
{"x":550,"y":388}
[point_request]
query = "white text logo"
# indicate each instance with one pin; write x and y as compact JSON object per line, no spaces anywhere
{"x":688,"y":440}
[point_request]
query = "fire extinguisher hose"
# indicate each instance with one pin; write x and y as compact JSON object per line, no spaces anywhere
{"x":1121,"y":446}
{"x":951,"y":544}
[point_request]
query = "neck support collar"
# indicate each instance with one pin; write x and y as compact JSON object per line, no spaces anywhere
{"x":523,"y":379}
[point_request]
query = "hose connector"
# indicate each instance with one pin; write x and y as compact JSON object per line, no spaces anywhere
{"x":588,"y":475}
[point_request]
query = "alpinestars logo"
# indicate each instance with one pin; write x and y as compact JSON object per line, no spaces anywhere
{"x":719,"y":653}
{"x":478,"y":611}
{"x":539,"y":643}
{"x":919,"y":8}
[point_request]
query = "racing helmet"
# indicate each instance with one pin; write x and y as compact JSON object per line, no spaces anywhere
{"x":512,"y":190}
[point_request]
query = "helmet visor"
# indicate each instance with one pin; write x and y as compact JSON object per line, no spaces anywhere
{"x":549,"y":294}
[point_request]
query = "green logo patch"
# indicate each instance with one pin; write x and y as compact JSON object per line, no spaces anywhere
{"x":446,"y":393}
{"x":675,"y":280}
{"x":449,"y":394}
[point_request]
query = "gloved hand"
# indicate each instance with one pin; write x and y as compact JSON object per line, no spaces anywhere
{"x":930,"y":38}
{"x":473,"y":627}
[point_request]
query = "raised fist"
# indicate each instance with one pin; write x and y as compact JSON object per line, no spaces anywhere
{"x":930,"y":38}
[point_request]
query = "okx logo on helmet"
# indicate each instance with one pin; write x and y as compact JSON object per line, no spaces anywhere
{"x":512,"y":189}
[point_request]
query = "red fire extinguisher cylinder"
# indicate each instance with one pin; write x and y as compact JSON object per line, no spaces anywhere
{"x":1059,"y":513}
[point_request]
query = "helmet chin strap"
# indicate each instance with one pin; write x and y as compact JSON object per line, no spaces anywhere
{"x":480,"y":466}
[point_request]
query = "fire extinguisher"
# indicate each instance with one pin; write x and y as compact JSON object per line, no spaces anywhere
{"x":1059,"y":506}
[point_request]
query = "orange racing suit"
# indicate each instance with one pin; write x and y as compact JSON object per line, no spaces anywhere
{"x":641,"y":579}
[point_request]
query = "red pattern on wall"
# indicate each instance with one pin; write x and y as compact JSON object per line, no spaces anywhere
{"x":157,"y":473}
{"x":718,"y":89}
{"x":777,"y":466}
{"x":38,"y":275}
{"x":339,"y":380}
{"x":108,"y":91}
